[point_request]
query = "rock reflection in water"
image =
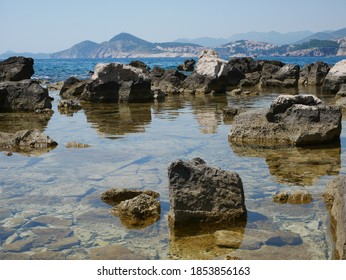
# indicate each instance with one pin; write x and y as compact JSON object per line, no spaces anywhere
{"x":205,"y":243}
{"x":296,"y":166}
{"x":112,"y":120}
{"x":13,"y":121}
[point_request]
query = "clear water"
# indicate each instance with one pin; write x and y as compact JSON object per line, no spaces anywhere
{"x":51,"y":202}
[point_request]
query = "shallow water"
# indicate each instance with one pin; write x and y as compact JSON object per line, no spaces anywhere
{"x":50,"y":203}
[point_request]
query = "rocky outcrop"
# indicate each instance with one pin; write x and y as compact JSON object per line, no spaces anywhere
{"x":16,"y":68}
{"x":25,"y":141}
{"x":26,"y":95}
{"x":135,"y":208}
{"x":141,"y":65}
{"x":187,"y":66}
{"x":200,"y":194}
{"x":115,"y":82}
{"x":291,"y":120}
{"x":342,"y":91}
{"x":335,"y":77}
{"x":72,"y":88}
{"x":314,"y":73}
{"x":334,"y":197}
{"x":168,"y":81}
{"x":286,"y":76}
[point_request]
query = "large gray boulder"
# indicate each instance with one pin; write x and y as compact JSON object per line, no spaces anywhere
{"x":200,"y":194}
{"x":314,"y":73}
{"x":16,"y":68}
{"x":25,"y":95}
{"x":72,"y":88}
{"x":335,"y":198}
{"x":116,"y":82}
{"x":335,"y":77}
{"x":169,"y":81}
{"x":286,"y":76}
{"x":291,"y":120}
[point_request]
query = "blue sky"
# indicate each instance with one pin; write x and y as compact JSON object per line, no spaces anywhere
{"x":49,"y":26}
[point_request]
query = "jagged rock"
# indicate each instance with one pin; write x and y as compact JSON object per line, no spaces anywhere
{"x":115,"y":196}
{"x":72,"y":88}
{"x":187,"y":66}
{"x":16,"y":68}
{"x":200,"y":194}
{"x":115,"y":82}
{"x":138,"y":212}
{"x":335,"y":198}
{"x":25,"y":140}
{"x":141,"y":65}
{"x":168,"y":81}
{"x":26,"y":95}
{"x":290,"y":120}
{"x":294,"y":197}
{"x":335,"y":77}
{"x":314,"y":73}
{"x":69,"y":105}
{"x":231,"y":111}
{"x":286,"y":76}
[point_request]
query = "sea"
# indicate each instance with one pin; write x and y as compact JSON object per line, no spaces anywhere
{"x":50,"y":206}
{"x":55,"y":70}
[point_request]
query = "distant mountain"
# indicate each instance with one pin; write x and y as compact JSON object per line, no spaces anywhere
{"x":205,"y":41}
{"x":326,"y":35}
{"x":8,"y":54}
{"x":127,"y":45}
{"x":272,"y":37}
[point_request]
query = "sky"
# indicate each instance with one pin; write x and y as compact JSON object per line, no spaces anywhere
{"x":51,"y":26}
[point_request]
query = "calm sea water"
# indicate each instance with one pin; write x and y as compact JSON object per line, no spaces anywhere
{"x":55,"y":70}
{"x":50,"y":203}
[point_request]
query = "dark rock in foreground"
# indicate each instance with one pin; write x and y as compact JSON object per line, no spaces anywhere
{"x":25,"y":140}
{"x":115,"y":82}
{"x":291,"y":120}
{"x":187,"y":66}
{"x":26,"y":95}
{"x":72,"y":88}
{"x":335,"y":198}
{"x":16,"y":68}
{"x":200,"y":194}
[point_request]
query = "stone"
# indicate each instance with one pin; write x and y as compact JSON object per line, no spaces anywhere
{"x":114,"y":196}
{"x":26,"y":140}
{"x":138,"y":212}
{"x":290,"y":120}
{"x":72,"y":88}
{"x":187,"y":66}
{"x":231,"y":111}
{"x":314,"y":73}
{"x":25,"y":95}
{"x":16,"y":68}
{"x":65,"y":243}
{"x":335,"y":199}
{"x":70,"y":104}
{"x":48,"y":255}
{"x":19,"y":245}
{"x":76,"y":145}
{"x":229,"y":239}
{"x":113,"y":252}
{"x":6,"y":232}
{"x":294,"y":197}
{"x":335,"y":77}
{"x":168,"y":81}
{"x":116,"y":82}
{"x":200,"y":194}
{"x":342,"y":91}
{"x":284,"y":239}
{"x":141,"y":65}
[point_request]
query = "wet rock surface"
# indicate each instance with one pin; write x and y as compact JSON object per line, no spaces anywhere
{"x":335,"y":198}
{"x":201,"y":194}
{"x":290,"y":120}
{"x":295,"y":197}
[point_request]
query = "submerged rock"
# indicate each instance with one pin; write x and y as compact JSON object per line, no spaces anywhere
{"x":200,"y":194}
{"x":135,"y":208}
{"x":290,"y":120}
{"x":294,"y":197}
{"x":16,"y":68}
{"x":335,"y":198}
{"x":25,"y":95}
